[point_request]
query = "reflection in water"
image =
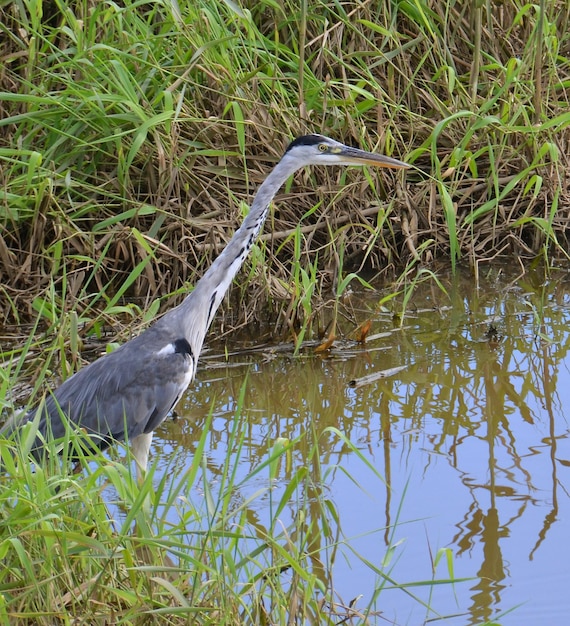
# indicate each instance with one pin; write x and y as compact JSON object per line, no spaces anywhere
{"x":470,"y":438}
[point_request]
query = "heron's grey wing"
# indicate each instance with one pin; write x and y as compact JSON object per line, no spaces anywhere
{"x":143,"y":400}
{"x":121,"y":395}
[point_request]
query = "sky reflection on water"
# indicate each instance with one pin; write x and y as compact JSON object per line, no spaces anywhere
{"x":471,"y":439}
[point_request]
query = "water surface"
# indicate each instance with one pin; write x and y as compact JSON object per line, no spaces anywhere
{"x":471,"y":439}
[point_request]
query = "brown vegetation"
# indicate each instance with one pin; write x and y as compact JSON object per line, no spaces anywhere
{"x":99,"y":190}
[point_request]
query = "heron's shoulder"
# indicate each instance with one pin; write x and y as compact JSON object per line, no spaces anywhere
{"x":177,"y":346}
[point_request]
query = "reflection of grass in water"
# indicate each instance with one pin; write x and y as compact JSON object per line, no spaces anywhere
{"x":205,"y":547}
{"x":171,"y":556}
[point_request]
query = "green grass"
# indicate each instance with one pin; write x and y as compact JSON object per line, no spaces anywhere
{"x":131,"y":133}
{"x":98,"y":546}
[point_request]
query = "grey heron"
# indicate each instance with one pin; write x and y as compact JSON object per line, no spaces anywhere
{"x":126,"y":394}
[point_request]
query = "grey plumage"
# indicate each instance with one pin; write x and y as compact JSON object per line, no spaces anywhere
{"x":137,"y":385}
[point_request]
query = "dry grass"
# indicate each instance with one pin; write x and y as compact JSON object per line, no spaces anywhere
{"x":131,"y":137}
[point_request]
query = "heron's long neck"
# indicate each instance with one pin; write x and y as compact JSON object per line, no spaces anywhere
{"x":196,"y":312}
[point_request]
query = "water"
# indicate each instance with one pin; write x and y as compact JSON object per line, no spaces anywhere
{"x":471,"y":438}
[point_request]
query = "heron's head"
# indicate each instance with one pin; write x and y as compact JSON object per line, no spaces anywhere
{"x":320,"y":150}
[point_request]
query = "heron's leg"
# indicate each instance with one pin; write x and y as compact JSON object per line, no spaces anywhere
{"x":140,"y":447}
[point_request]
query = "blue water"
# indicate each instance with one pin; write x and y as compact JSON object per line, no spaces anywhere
{"x":468,"y":447}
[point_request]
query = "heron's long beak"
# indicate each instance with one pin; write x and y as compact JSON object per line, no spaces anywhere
{"x":354,"y":156}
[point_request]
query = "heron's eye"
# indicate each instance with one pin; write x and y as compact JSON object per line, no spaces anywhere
{"x":323,"y":147}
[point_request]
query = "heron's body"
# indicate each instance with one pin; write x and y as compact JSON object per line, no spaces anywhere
{"x":128,"y":393}
{"x":132,"y":389}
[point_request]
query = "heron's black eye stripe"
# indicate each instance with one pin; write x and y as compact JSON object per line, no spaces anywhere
{"x":307,"y":140}
{"x":181,"y":346}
